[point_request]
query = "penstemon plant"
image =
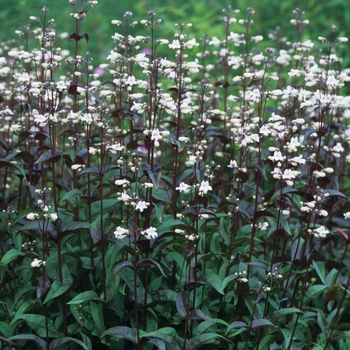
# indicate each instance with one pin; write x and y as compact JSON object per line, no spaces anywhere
{"x":182,"y":194}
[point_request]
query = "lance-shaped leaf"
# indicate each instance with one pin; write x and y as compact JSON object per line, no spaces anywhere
{"x":64,"y":340}
{"x":83,"y":297}
{"x":41,"y":344}
{"x":123,"y":264}
{"x":182,"y":304}
{"x":5,"y":164}
{"x":202,"y":339}
{"x":121,"y":332}
{"x":261,"y":322}
{"x":48,"y":156}
{"x":145,"y":261}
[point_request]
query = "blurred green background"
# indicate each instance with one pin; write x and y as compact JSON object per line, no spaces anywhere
{"x":205,"y":15}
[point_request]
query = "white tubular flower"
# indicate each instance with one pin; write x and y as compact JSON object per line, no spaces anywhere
{"x":115,"y":148}
{"x":156,"y":136}
{"x":347,"y":215}
{"x":141,"y":206}
{"x":338,"y":148}
{"x":150,"y":233}
{"x":37,"y":263}
{"x":120,"y":232}
{"x":277,"y":157}
{"x":233,"y":164}
{"x":183,"y":187}
{"x":53,"y":216}
{"x":321,"y":232}
{"x":121,"y":182}
{"x":205,"y":187}
{"x":124,"y":197}
{"x":93,"y":150}
{"x":32,"y":216}
{"x":288,"y":174}
{"x":77,"y":166}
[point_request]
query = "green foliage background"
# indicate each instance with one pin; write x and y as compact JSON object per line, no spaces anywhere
{"x":205,"y":16}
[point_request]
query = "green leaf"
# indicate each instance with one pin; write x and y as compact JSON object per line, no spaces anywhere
{"x":287,"y":334}
{"x":73,"y":193}
{"x":39,"y":342}
{"x":176,"y":256}
{"x":121,"y":332}
{"x":161,"y":195}
{"x":11,"y":255}
{"x":334,"y":193}
{"x":277,"y":314}
{"x":266,"y":341}
{"x":202,"y":339}
{"x":60,"y":341}
{"x":4,"y":164}
{"x":69,"y":227}
{"x":167,"y":334}
{"x":236,"y":324}
{"x":319,"y":268}
{"x":96,"y":311}
{"x":49,"y":157}
{"x":282,"y":218}
{"x":56,"y":290}
{"x":83,"y":297}
{"x":314,"y":291}
{"x":37,"y":324}
{"x":322,"y":322}
{"x":261,"y":165}
{"x":213,"y":280}
{"x":330,"y":278}
{"x":228,"y":279}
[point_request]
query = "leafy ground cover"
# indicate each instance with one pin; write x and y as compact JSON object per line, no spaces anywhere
{"x":186,"y":193}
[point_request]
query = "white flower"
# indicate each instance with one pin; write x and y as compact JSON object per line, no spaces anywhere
{"x":233,"y":164}
{"x":141,"y":206}
{"x":175,"y":44}
{"x":320,"y":232}
{"x":93,"y":150}
{"x":183,"y":187}
{"x":215,"y":41}
{"x":338,"y":148}
{"x":156,"y":136}
{"x":319,"y":174}
{"x":124,"y":197}
{"x":288,"y":174}
{"x":293,"y":144}
{"x":76,"y":166}
{"x":264,"y":130}
{"x":121,"y":182}
{"x":347,"y":215}
{"x":53,"y":216}
{"x":298,"y":160}
{"x":276,"y":173}
{"x":114,"y":148}
{"x":150,"y":233}
{"x":205,"y":187}
{"x":120,"y":232}
{"x":32,"y":216}
{"x":37,"y":263}
{"x":277,"y":156}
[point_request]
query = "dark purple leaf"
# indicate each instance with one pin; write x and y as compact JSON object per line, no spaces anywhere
{"x":146,"y":261}
{"x":123,"y":264}
{"x":182,"y":304}
{"x":261,"y":322}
